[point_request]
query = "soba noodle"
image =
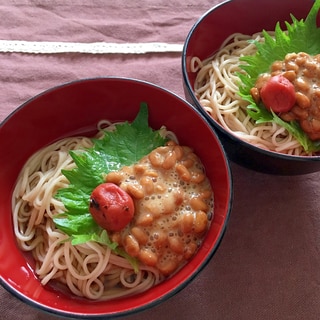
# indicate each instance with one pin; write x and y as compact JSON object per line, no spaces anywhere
{"x":93,"y":270}
{"x":89,"y":270}
{"x":216,"y":87}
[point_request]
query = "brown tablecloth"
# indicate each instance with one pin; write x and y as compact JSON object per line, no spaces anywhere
{"x":268,"y":265}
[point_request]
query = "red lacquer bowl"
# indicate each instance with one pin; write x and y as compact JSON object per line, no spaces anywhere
{"x":75,"y":108}
{"x":206,"y":37}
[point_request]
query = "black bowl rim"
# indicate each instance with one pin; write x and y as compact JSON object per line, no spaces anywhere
{"x":181,"y":286}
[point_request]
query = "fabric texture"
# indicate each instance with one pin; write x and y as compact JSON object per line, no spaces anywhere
{"x":267,"y":266}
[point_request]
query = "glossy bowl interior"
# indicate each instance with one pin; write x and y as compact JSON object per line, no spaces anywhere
{"x":205,"y":38}
{"x":74,"y":109}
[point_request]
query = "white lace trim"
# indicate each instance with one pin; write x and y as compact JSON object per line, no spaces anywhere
{"x":47,"y":47}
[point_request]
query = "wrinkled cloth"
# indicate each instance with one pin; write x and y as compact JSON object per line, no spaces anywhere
{"x":267,"y":266}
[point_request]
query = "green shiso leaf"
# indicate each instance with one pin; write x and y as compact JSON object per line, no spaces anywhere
{"x":126,"y":145}
{"x":300,"y":36}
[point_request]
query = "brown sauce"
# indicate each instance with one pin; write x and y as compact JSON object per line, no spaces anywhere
{"x":303,"y":71}
{"x":174,"y":203}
